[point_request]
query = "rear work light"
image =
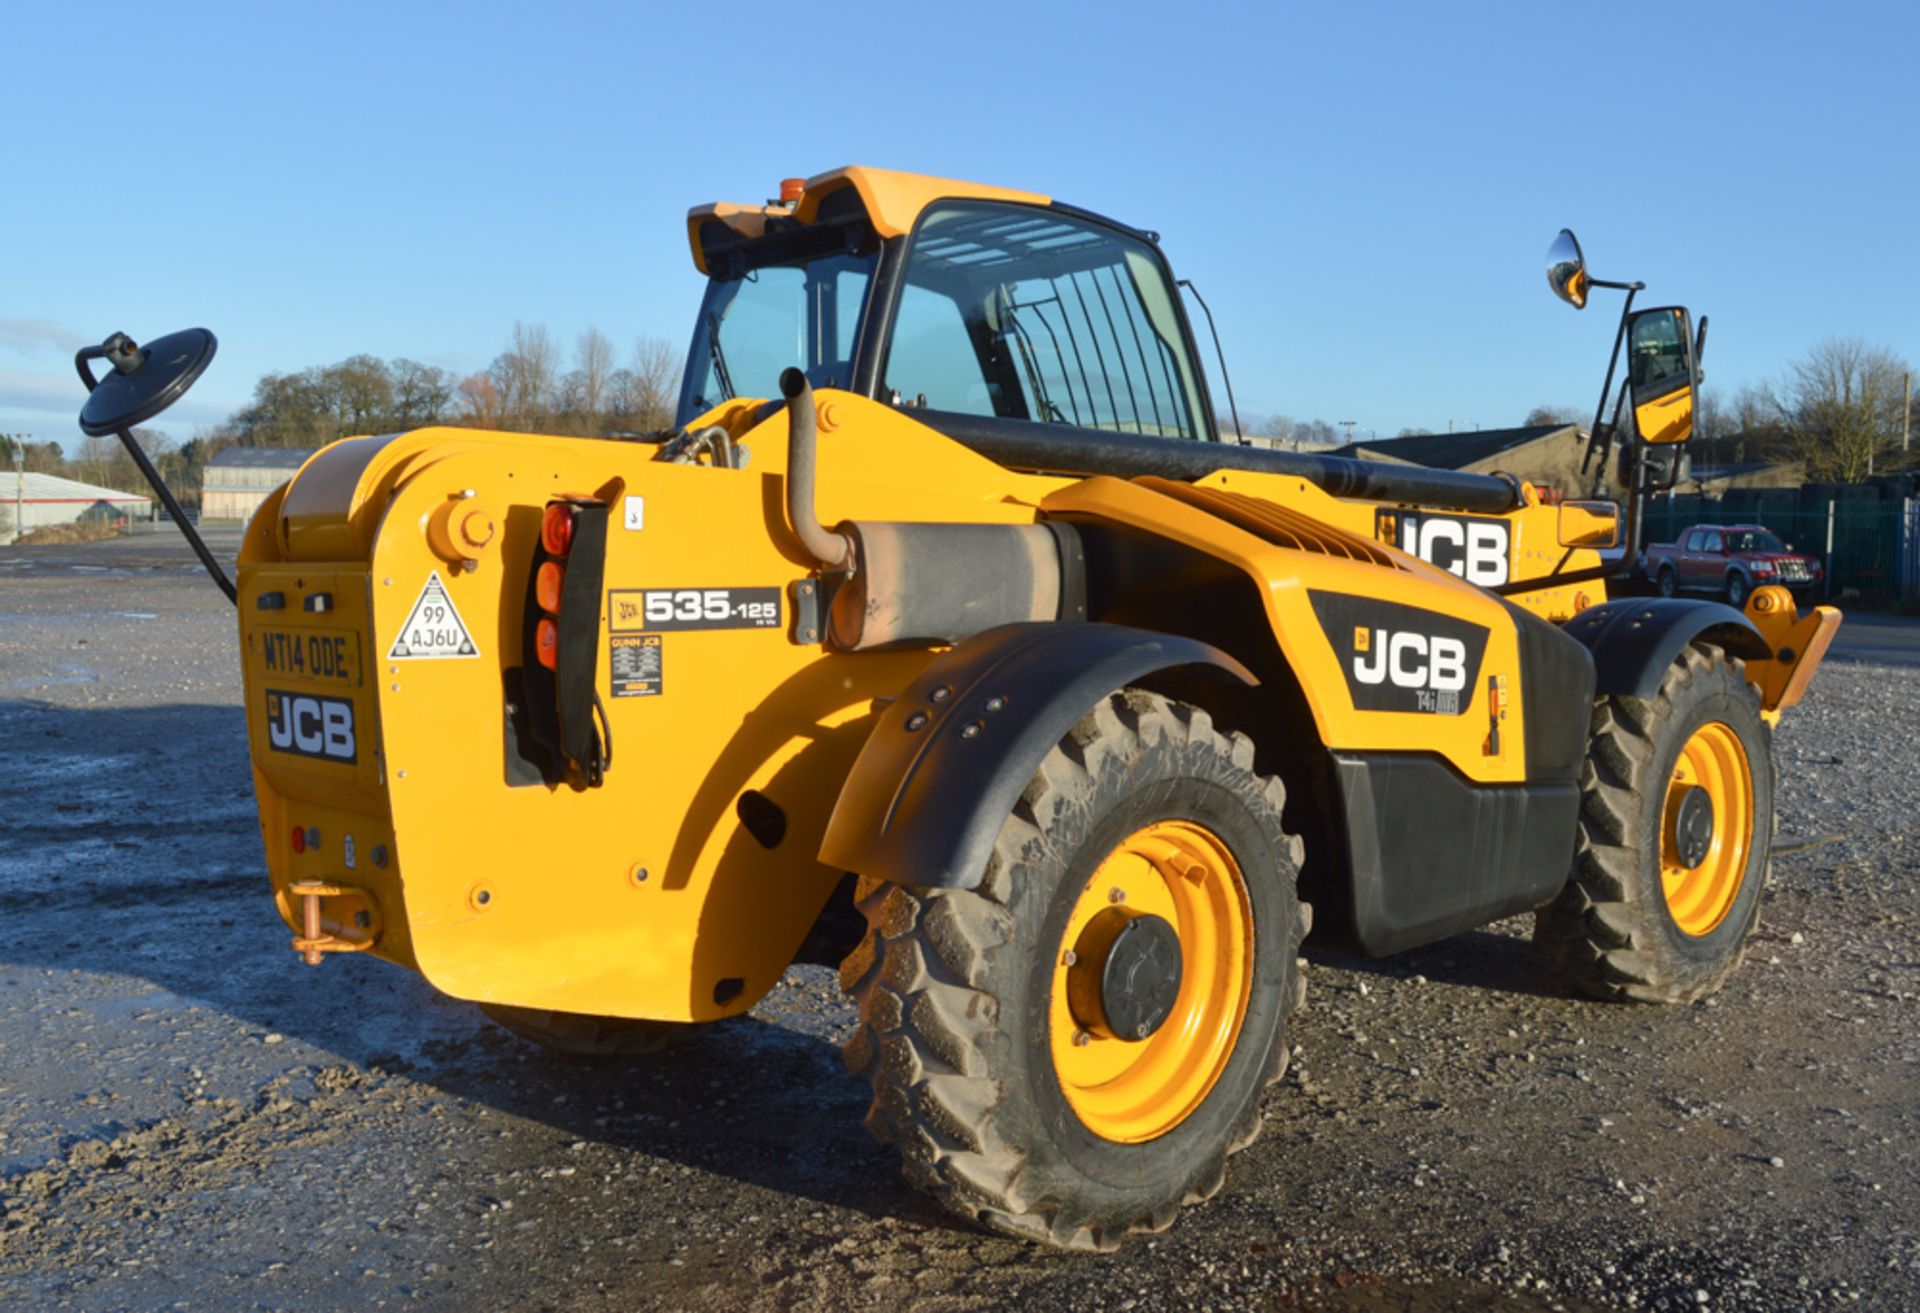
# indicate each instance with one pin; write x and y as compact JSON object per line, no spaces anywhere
{"x":556,"y":529}
{"x":562,"y":638}
{"x":547,"y":584}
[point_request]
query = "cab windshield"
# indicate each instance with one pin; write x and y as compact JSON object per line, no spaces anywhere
{"x":1753,"y":540}
{"x":762,"y":317}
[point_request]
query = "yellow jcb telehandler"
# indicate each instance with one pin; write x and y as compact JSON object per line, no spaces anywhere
{"x":979,"y":622}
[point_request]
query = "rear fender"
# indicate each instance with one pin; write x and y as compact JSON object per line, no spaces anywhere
{"x":950,"y":757}
{"x":1635,"y":639}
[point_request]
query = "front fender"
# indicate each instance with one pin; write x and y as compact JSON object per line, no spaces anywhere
{"x":1635,"y":639}
{"x":948,"y":760}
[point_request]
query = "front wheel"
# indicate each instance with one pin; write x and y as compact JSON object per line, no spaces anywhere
{"x":1676,"y":836}
{"x":1737,"y":590}
{"x":1069,"y":1052}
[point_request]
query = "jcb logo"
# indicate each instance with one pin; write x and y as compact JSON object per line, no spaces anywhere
{"x":310,"y":726}
{"x":1401,"y":658}
{"x":1410,"y":660}
{"x":1474,"y":549}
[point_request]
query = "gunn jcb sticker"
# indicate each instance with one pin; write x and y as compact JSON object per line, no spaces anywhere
{"x":1401,"y":658}
{"x":308,"y":725}
{"x":1478,"y":550}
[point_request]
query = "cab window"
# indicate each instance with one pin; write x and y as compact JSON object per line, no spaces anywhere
{"x":1026,"y":313}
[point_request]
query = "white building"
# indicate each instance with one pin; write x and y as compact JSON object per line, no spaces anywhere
{"x":33,"y":501}
{"x":240,"y":478}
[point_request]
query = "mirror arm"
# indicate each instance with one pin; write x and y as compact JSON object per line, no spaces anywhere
{"x":1613,"y":361}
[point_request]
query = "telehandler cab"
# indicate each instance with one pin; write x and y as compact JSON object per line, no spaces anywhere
{"x":1094,"y":712}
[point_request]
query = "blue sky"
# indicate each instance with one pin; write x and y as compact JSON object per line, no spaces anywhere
{"x":1363,"y":192}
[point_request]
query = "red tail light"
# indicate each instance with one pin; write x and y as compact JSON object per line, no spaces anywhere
{"x":556,"y":529}
{"x":546,"y":642}
{"x":547,"y":584}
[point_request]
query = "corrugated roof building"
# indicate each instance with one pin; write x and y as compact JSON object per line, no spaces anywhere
{"x":34,"y":501}
{"x":238,"y":479}
{"x":1543,"y":454}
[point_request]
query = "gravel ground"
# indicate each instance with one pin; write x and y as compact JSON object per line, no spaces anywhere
{"x":190,"y":1119}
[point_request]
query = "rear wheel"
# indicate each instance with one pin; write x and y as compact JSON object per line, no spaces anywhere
{"x":1069,"y":1052}
{"x":1667,"y":582}
{"x":1676,"y":832}
{"x":588,"y":1036}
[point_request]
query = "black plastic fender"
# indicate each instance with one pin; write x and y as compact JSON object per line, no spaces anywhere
{"x":1635,"y":639}
{"x":949,"y":758}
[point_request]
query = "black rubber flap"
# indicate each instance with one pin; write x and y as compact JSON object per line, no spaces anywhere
{"x":121,"y":401}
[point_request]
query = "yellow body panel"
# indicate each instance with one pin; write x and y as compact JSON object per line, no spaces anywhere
{"x":1286,"y":576}
{"x":647,"y":897}
{"x":565,"y":921}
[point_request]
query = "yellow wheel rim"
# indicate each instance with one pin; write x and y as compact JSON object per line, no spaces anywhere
{"x":1700,"y":895}
{"x":1135,"y":1090}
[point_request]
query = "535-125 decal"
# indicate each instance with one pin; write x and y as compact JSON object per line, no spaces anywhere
{"x":659,"y":609}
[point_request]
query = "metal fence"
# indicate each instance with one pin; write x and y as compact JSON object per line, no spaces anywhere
{"x":1870,"y":548}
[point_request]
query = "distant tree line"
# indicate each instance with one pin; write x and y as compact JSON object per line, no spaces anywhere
{"x":529,"y":388}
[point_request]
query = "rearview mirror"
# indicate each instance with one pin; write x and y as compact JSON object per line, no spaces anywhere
{"x":1567,"y":270}
{"x":1590,"y":524}
{"x":1662,"y":373}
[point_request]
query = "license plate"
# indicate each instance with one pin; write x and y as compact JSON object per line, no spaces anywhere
{"x":323,"y":656}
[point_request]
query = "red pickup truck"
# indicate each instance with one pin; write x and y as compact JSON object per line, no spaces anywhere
{"x":1730,"y":559}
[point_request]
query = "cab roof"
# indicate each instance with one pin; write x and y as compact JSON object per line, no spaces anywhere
{"x":891,"y":201}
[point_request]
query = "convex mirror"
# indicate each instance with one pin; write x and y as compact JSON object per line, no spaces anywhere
{"x":142,"y":380}
{"x":1567,"y":270}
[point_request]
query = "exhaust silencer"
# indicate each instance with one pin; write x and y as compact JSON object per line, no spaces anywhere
{"x":908,"y":583}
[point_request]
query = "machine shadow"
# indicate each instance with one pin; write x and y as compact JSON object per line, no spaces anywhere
{"x":1477,"y":959}
{"x":131,"y":848}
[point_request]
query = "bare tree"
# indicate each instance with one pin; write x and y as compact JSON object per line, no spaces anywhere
{"x":526,"y":374}
{"x":1840,"y":404}
{"x":588,"y":385}
{"x":421,"y":393}
{"x":479,"y":402}
{"x":96,"y":458}
{"x":1555,"y":415}
{"x":1277,"y":427}
{"x":644,"y":395}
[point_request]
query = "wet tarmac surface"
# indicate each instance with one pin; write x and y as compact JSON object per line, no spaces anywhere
{"x":190,"y":1118}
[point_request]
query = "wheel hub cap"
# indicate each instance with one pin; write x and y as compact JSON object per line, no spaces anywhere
{"x":1126,"y":974}
{"x":1693,"y":826}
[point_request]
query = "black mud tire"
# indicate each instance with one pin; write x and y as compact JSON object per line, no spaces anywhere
{"x":1666,"y":583}
{"x":953,"y":989}
{"x":1610,"y":934}
{"x":587,"y":1036}
{"x":1737,"y":589}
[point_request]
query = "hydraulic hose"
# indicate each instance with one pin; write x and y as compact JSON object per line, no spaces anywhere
{"x":831,"y":549}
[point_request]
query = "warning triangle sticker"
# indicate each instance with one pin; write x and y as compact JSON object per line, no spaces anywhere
{"x":434,"y":627}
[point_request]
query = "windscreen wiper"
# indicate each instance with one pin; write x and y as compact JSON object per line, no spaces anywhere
{"x":719,"y":357}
